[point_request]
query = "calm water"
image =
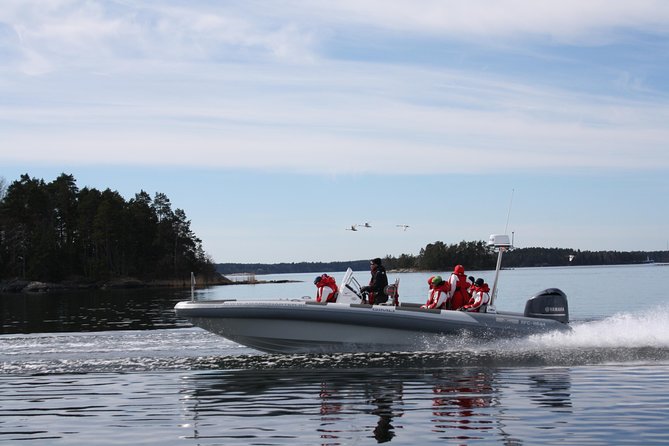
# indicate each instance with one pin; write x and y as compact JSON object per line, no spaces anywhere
{"x":133,"y":377}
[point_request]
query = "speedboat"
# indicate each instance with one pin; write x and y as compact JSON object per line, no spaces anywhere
{"x":350,"y":325}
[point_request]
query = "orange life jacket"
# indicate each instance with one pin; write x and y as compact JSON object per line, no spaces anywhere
{"x":326,"y":281}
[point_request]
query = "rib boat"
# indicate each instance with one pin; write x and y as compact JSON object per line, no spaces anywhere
{"x":349,"y":325}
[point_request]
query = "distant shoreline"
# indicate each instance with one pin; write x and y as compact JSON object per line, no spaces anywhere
{"x":35,"y":286}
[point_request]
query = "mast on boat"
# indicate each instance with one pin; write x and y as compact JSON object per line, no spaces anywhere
{"x":502,"y":244}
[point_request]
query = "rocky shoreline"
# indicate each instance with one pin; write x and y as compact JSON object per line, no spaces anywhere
{"x":34,"y":286}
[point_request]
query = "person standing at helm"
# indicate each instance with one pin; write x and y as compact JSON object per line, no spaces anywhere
{"x":439,"y":295}
{"x":480,"y":297}
{"x":459,"y":292}
{"x":322,"y":282}
{"x":377,"y":283}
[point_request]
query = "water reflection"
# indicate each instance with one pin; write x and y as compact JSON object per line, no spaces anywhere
{"x":458,"y":402}
{"x":327,"y":399}
{"x":551,"y":389}
{"x":90,"y":310}
{"x":366,"y":395}
{"x":342,"y":406}
{"x":386,"y":402}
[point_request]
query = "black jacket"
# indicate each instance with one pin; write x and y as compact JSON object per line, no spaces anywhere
{"x":377,"y":285}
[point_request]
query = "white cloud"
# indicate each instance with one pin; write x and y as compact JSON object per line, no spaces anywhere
{"x":208,"y":84}
{"x":564,"y":20}
{"x":84,"y":34}
{"x":76,"y":32}
{"x":505,"y":125}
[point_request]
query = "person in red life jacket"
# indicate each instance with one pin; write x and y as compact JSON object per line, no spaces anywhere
{"x":459,"y":293}
{"x":322,"y":282}
{"x":377,"y":283}
{"x":480,"y":297}
{"x":439,"y":295}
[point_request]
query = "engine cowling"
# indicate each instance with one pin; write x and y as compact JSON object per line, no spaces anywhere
{"x":550,"y":303}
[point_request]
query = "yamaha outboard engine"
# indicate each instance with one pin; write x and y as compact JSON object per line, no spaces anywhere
{"x":548,"y":304}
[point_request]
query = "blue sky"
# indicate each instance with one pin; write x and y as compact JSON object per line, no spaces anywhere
{"x":276,"y":125}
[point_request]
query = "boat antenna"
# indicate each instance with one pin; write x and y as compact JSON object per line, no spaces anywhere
{"x":508,"y":215}
{"x":501,"y":243}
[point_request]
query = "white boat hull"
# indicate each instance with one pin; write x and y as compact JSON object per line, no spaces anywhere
{"x":308,"y":327}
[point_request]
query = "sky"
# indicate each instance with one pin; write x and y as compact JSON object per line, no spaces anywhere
{"x":277,"y":125}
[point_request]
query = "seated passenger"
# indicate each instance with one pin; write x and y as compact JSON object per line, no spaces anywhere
{"x":439,"y":296}
{"x":393,"y":292}
{"x":377,"y":283}
{"x":480,"y":297}
{"x":459,"y":293}
{"x":322,"y":282}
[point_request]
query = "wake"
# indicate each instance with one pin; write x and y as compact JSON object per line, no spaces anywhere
{"x":646,"y":329}
{"x":624,"y":338}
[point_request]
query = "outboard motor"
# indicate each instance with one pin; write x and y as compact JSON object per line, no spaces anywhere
{"x":548,"y":304}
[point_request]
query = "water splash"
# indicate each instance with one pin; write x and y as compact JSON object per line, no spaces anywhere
{"x":649,"y":328}
{"x":640,"y":337}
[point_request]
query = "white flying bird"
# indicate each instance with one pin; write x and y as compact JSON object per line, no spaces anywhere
{"x":404,"y":227}
{"x":352,"y":228}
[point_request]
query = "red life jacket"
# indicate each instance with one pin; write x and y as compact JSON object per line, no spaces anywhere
{"x":436,"y":293}
{"x":327,"y":281}
{"x":480,"y":298}
{"x":461,"y":295}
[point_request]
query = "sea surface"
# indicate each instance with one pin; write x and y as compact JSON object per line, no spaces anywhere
{"x":118,"y":368}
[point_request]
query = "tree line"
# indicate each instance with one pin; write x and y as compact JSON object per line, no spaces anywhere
{"x":287,"y":268}
{"x":474,"y":255}
{"x":56,"y":232}
{"x":435,"y":256}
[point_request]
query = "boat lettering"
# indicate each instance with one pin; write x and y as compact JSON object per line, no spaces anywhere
{"x":503,"y":319}
{"x":554,"y":309}
{"x":384,"y":309}
{"x":540,"y":323}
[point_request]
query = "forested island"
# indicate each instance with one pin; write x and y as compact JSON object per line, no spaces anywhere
{"x":59,"y":233}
